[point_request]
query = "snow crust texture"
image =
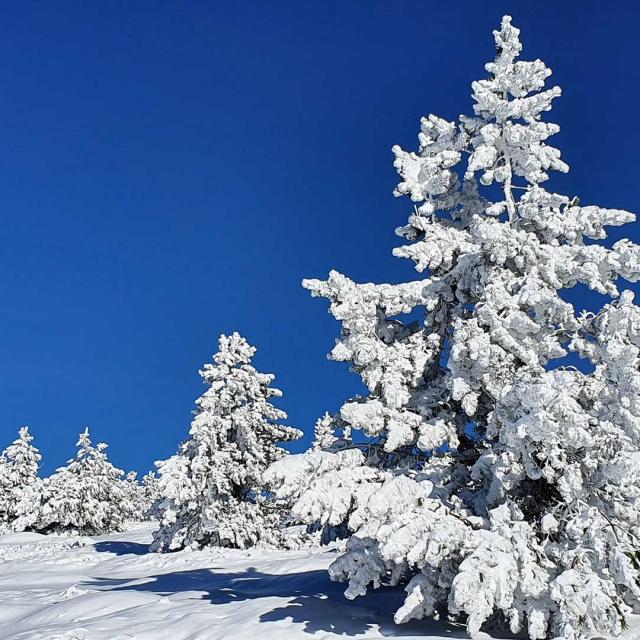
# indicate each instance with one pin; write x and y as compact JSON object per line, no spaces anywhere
{"x":111,"y":588}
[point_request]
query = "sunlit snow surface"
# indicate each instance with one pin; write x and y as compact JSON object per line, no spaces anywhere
{"x":111,"y":588}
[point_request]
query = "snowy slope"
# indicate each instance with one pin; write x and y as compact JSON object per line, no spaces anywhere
{"x":110,"y":588}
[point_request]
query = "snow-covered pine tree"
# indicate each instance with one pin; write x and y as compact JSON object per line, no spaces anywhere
{"x":135,"y":497}
{"x":324,"y":433}
{"x":527,"y":510}
{"x":20,"y":486}
{"x":88,"y":495}
{"x":149,"y":496}
{"x":213,"y":489}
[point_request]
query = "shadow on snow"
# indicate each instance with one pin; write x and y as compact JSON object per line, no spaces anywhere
{"x":313,"y":600}
{"x":122,"y":548}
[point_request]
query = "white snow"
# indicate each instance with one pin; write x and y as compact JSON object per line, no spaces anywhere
{"x":112,"y":588}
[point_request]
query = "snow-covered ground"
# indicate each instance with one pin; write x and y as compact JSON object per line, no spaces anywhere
{"x":111,"y":588}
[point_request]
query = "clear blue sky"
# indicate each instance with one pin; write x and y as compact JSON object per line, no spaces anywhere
{"x":171,"y":170}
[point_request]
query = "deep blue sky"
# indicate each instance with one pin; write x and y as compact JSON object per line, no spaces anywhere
{"x":171,"y":170}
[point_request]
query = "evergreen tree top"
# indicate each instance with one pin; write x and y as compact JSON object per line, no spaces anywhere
{"x":21,"y":450}
{"x":233,"y":350}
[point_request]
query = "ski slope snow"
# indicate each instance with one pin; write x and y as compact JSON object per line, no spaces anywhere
{"x":111,"y":588}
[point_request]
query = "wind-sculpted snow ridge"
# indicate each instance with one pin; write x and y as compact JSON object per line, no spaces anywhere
{"x":524,"y":510}
{"x":212,"y":492}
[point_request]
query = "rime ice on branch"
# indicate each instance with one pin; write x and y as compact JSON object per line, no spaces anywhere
{"x":527,"y":510}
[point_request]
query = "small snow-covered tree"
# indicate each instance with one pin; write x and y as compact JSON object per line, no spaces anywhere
{"x":331,"y":433}
{"x":88,"y":495}
{"x":20,"y":486}
{"x":149,"y":496}
{"x":325,"y":432}
{"x":213,"y":490}
{"x":505,"y":486}
{"x":135,"y":497}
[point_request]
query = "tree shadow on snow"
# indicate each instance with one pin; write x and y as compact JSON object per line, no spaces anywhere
{"x":122,"y":548}
{"x":313,"y":600}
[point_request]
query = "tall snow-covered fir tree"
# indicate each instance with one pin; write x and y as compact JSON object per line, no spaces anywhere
{"x":88,"y":495}
{"x":496,"y":484}
{"x":20,"y":486}
{"x":213,"y":491}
